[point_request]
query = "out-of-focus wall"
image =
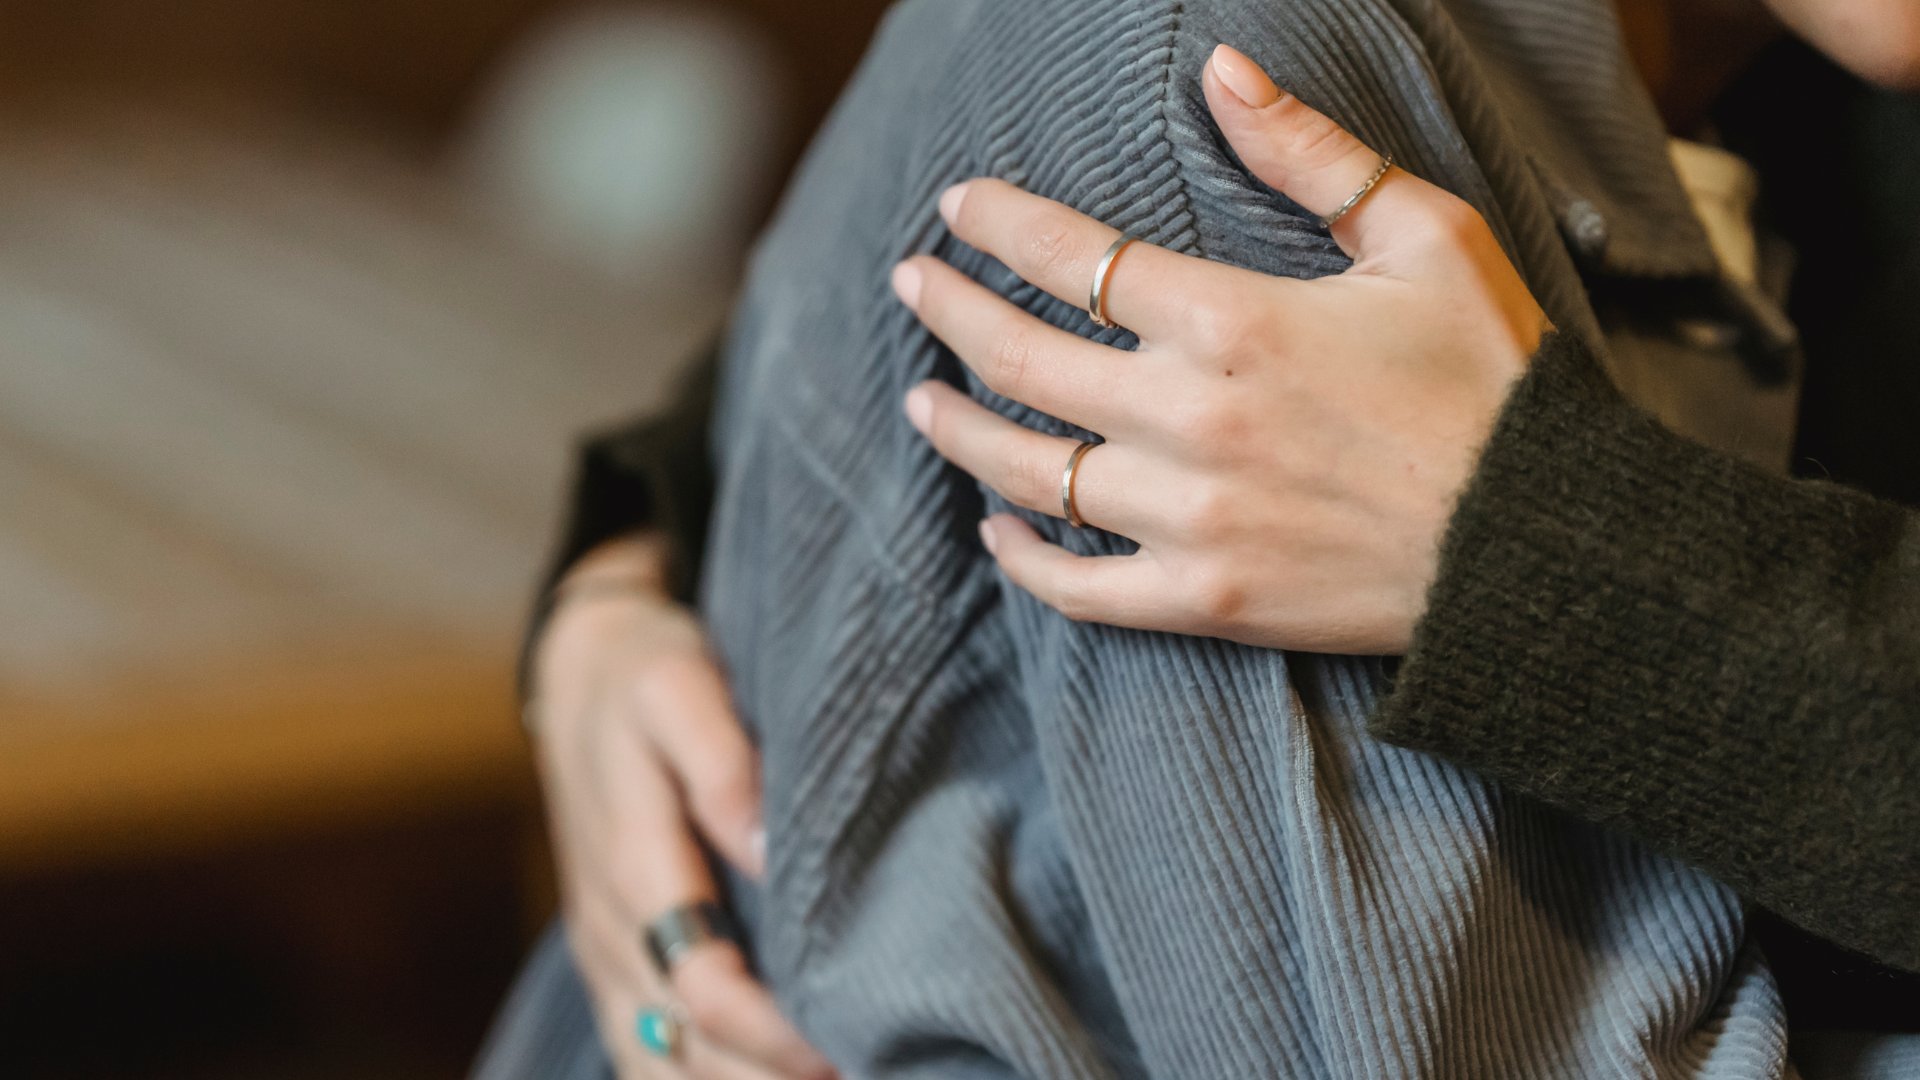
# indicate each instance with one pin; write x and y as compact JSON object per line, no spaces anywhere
{"x":407,"y":64}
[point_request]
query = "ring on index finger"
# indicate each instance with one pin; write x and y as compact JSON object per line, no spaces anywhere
{"x":1102,"y":273}
{"x":673,"y":934}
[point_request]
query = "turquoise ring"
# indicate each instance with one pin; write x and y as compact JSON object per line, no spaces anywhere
{"x":659,"y":1031}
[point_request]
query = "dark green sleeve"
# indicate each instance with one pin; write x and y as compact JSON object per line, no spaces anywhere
{"x":655,"y":472}
{"x":1654,"y":636}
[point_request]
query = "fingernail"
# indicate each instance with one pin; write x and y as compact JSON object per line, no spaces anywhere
{"x":757,"y":842}
{"x":950,"y":201}
{"x":920,"y":408}
{"x":987,"y":538}
{"x":906,"y":284}
{"x":1243,"y":78}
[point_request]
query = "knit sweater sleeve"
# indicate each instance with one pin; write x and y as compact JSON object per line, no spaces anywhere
{"x":651,"y":473}
{"x":1654,"y":636}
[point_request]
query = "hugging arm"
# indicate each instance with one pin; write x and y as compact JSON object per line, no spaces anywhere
{"x":1655,"y":636}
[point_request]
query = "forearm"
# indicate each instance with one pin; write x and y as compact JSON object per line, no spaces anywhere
{"x":1656,"y":637}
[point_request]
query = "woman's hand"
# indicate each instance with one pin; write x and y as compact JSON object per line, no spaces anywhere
{"x":639,"y":747}
{"x":1286,"y":453}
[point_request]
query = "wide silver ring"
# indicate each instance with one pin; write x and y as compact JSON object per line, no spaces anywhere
{"x":680,"y":929}
{"x":1354,"y":200}
{"x":1067,"y":506}
{"x":1097,"y":296}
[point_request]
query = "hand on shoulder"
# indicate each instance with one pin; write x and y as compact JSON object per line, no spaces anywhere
{"x":1286,"y":453}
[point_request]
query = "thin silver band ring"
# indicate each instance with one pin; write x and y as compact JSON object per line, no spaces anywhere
{"x":1353,"y":201}
{"x":1097,"y":297}
{"x":1066,"y":484}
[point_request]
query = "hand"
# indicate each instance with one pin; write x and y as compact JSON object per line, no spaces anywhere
{"x":638,"y":748}
{"x":1286,"y":453}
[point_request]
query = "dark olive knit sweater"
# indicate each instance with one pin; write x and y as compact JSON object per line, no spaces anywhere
{"x":1655,"y":636}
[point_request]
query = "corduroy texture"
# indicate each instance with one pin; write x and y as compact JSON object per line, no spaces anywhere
{"x":546,"y":1029}
{"x":1749,"y":648}
{"x":1006,"y":844}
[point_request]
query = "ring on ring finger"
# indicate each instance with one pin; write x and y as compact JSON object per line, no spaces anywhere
{"x":1069,"y":508}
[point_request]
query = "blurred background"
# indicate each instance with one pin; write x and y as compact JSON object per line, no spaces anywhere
{"x":302,"y":306}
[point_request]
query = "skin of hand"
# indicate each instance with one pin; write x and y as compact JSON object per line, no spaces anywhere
{"x":1286,"y":453}
{"x":641,"y":756}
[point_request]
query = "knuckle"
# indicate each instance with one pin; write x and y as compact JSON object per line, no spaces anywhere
{"x":1318,"y":141}
{"x":1218,"y":326}
{"x":1209,"y":515}
{"x":1219,"y":595}
{"x":1050,"y":247}
{"x":1010,"y":360}
{"x":1199,"y":423}
{"x":1027,"y":479}
{"x":721,"y":791}
{"x":1454,"y":225}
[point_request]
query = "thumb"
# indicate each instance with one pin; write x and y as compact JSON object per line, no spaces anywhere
{"x":1295,"y":149}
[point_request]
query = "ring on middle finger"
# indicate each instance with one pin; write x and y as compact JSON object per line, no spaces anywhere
{"x":684,"y":927}
{"x":1102,"y":273}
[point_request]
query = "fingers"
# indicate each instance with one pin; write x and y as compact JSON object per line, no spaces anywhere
{"x":656,"y":864}
{"x":1024,"y":466}
{"x":728,"y":1006}
{"x":1017,"y":355}
{"x":623,"y":988}
{"x":1296,"y":149}
{"x":708,"y":752}
{"x":1058,"y":249}
{"x":1121,"y":590}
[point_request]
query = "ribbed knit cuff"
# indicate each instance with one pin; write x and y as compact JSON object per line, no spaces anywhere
{"x":1659,"y":638}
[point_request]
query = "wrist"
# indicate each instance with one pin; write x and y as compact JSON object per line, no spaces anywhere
{"x":635,"y":565}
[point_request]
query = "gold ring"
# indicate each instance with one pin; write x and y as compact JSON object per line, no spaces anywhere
{"x":1066,"y":484}
{"x":1097,"y":298}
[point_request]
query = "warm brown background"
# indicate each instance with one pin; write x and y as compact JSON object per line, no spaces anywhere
{"x":408,"y":65}
{"x":342,"y":891}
